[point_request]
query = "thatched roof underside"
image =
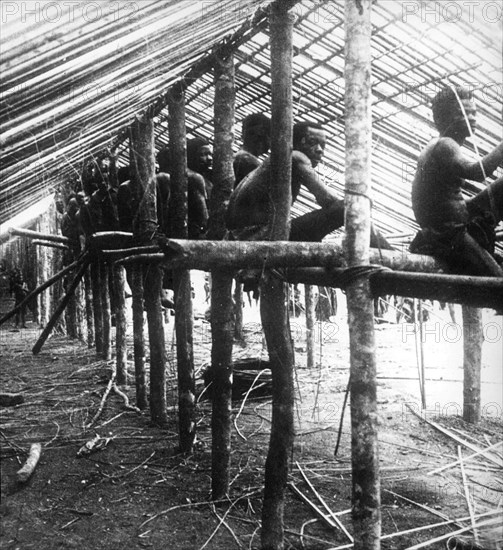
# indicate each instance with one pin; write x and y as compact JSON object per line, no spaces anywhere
{"x":74,"y":78}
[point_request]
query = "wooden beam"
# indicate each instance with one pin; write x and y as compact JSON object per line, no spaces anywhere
{"x":459,"y":289}
{"x":59,"y":309}
{"x":36,"y":235}
{"x":366,"y":500}
{"x":273,"y":302}
{"x":411,"y":275}
{"x":184,"y":321}
{"x":221,"y":288}
{"x":207,"y":255}
{"x":145,"y":225}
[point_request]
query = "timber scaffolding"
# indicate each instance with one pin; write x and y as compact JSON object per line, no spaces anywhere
{"x":363,"y":273}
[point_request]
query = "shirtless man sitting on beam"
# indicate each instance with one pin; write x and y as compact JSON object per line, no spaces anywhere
{"x":458,"y":230}
{"x":250,"y":204}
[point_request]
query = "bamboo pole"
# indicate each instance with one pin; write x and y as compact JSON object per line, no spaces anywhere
{"x":221,"y":287}
{"x":59,"y":310}
{"x":119,"y":274}
{"x":181,"y":277}
{"x":144,"y":227}
{"x":364,"y":450}
{"x":273,"y":302}
{"x":310,"y":317}
{"x":472,"y":363}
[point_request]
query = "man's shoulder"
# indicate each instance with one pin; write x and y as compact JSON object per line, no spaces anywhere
{"x":299,"y":159}
{"x":244,"y":155}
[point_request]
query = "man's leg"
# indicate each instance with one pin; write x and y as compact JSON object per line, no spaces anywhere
{"x":315,"y":225}
{"x":488,"y":200}
{"x":470,"y":258}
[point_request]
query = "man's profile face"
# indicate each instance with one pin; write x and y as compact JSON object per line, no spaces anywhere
{"x":205,"y":158}
{"x":471,"y":114}
{"x":313,"y":145}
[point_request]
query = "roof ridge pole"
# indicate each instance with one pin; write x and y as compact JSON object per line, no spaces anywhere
{"x":273,"y":295}
{"x":358,"y":127}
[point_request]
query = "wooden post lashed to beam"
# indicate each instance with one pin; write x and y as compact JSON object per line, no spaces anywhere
{"x":364,"y":450}
{"x":273,"y":302}
{"x":181,"y":277}
{"x":221,"y":289}
{"x":143,"y":187}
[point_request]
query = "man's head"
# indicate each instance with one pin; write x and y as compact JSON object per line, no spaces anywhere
{"x":199,"y":155}
{"x":257,"y":133}
{"x":309,"y":138}
{"x":448,"y":106}
{"x":72,"y":207}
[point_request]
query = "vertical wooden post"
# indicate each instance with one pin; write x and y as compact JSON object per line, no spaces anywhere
{"x":273,"y":301}
{"x":221,"y":289}
{"x":120,"y":324}
{"x":181,"y":277}
{"x":365,"y":460}
{"x":238,"y":313}
{"x":81,"y":312}
{"x":106,"y":350}
{"x":472,"y":363}
{"x":310,"y":317}
{"x":97,"y":308}
{"x":70,"y":312}
{"x":143,"y":187}
{"x":44,"y":303}
{"x":89,"y":307}
{"x":138,"y":338}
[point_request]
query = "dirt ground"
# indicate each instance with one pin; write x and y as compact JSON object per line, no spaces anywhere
{"x":137,"y":493}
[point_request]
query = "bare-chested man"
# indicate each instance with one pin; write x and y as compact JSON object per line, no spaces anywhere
{"x":458,"y":230}
{"x":250,"y":204}
{"x":256,"y":142}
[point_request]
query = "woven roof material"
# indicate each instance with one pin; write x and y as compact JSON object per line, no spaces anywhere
{"x":70,"y":86}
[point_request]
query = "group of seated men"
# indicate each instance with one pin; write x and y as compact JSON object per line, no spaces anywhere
{"x":458,"y":230}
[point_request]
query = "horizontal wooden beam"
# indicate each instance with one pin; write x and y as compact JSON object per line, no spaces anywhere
{"x":411,"y":275}
{"x":36,"y":235}
{"x":208,"y":255}
{"x":457,"y":289}
{"x":39,"y":242}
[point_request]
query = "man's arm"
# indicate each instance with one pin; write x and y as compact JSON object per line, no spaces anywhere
{"x":302,"y":169}
{"x":450,"y":156}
